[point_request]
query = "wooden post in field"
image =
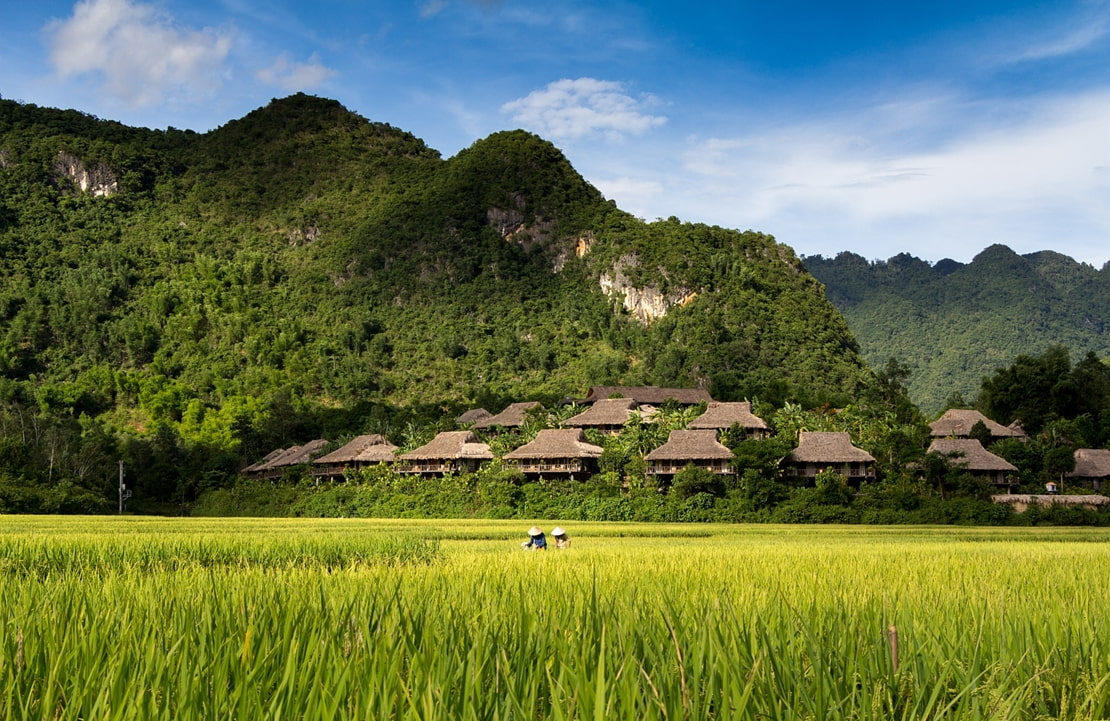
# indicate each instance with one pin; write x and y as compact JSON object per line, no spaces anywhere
{"x":124,"y":494}
{"x":892,"y":638}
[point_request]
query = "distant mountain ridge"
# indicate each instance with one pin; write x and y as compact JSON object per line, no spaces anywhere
{"x":955,"y":323}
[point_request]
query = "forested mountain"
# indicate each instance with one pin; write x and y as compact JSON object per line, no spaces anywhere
{"x":303,"y":271}
{"x":953,"y":324}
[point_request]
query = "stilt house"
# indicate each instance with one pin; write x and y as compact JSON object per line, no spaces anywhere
{"x":699,"y":448}
{"x":557,"y":453}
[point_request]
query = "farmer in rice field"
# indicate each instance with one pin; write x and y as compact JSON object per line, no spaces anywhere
{"x":536,"y":540}
{"x":562,"y":540}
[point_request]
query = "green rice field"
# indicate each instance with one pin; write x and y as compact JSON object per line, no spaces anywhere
{"x":141,"y":618}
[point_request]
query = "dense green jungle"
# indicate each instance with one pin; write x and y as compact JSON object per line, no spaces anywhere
{"x":184,"y":303}
{"x":953,"y":324}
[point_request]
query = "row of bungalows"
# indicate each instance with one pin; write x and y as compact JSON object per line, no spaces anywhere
{"x":567,"y":453}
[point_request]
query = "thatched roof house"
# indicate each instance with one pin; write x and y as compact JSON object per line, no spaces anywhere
{"x":290,"y":457}
{"x":653,"y":395}
{"x":556,"y":452}
{"x":608,"y":416}
{"x":722,"y":416}
{"x":257,"y":466}
{"x":472,"y":416}
{"x":828,"y":450}
{"x":1092,"y":465}
{"x":449,"y":451}
{"x":367,"y":450}
{"x":976,"y":460}
{"x":958,"y":422}
{"x":699,"y":448}
{"x":511,"y":417}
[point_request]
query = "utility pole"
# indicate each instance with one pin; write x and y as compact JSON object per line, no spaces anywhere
{"x":124,"y":494}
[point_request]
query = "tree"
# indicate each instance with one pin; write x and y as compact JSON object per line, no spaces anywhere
{"x":1033,"y":390}
{"x":981,"y":433}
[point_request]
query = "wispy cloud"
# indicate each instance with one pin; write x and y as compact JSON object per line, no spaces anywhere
{"x":570,"y":109}
{"x":141,"y":53}
{"x":1078,"y":32}
{"x":291,"y":75}
{"x":1047,"y":158}
{"x":1074,"y":41}
{"x":1026,"y":183}
{"x":432,"y":7}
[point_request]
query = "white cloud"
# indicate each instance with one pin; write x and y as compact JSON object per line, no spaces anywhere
{"x":1072,"y":42}
{"x":1044,"y":160}
{"x":637,"y":195}
{"x":853,"y":183}
{"x":142,"y":55}
{"x":569,"y":109}
{"x":1073,"y":33}
{"x":291,"y":75}
{"x":432,"y":7}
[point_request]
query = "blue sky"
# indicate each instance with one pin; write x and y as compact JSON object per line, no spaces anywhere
{"x":934,"y":128}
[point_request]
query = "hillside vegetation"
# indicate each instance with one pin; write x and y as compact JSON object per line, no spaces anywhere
{"x":187,"y":302}
{"x":953,"y":324}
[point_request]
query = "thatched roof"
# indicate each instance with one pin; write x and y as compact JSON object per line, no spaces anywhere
{"x":511,"y":417}
{"x":294,"y":456}
{"x":371,"y":448}
{"x":473,"y":416}
{"x":648,"y":394}
{"x":958,"y":422}
{"x":827,"y":447}
{"x":696,"y":445}
{"x":973,"y":456}
{"x":557,"y":443}
{"x":727,"y":415}
{"x":450,"y":445}
{"x":1091,"y":463}
{"x":608,"y":412}
{"x":257,"y":466}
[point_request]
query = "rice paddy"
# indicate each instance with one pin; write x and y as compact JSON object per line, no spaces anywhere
{"x":131,"y":618}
